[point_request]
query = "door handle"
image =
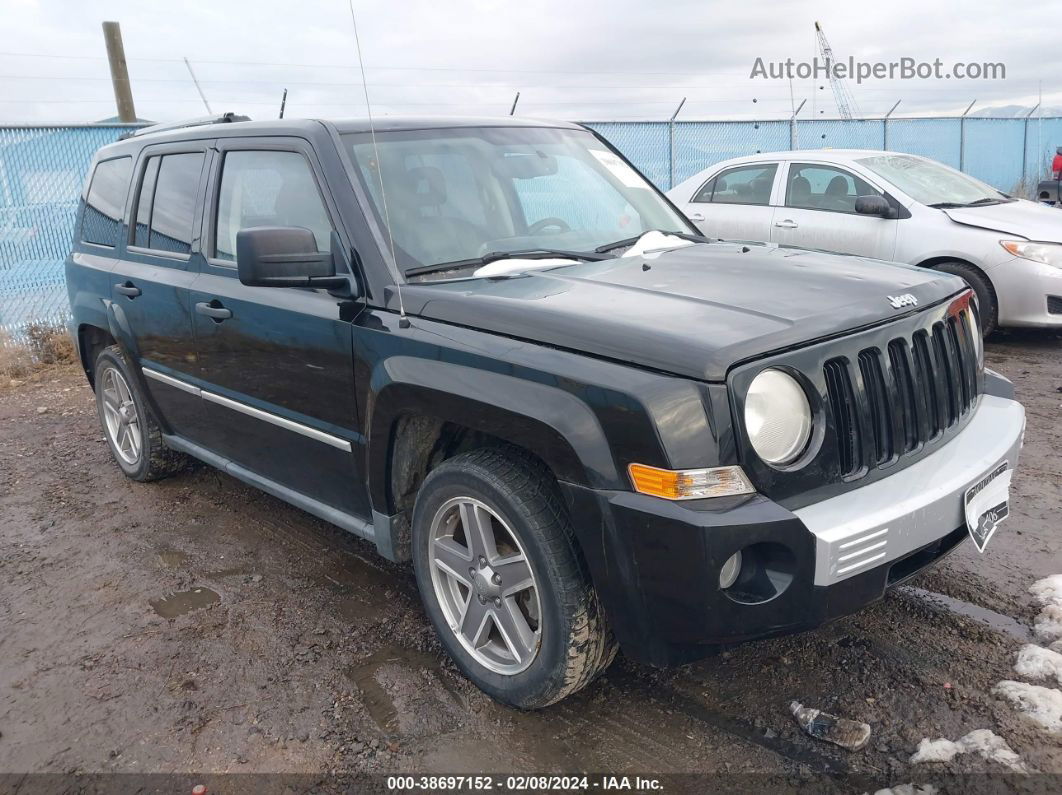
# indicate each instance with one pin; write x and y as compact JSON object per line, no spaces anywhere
{"x":127,"y":288}
{"x":787,"y":224}
{"x":696,"y":216}
{"x":214,"y":310}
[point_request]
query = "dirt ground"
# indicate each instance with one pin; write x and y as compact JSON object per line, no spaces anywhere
{"x":197,"y":625}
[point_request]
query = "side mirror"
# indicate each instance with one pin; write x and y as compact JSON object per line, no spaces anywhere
{"x":873,"y":205}
{"x":283,"y":256}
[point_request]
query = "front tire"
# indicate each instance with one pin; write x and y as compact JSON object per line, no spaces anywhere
{"x":986,"y":296}
{"x":502,"y":580}
{"x":132,"y":433}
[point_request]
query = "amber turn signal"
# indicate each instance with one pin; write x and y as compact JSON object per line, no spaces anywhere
{"x":689,"y":484}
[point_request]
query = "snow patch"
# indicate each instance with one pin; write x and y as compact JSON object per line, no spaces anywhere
{"x":1048,"y":591}
{"x":1048,"y":624}
{"x":1038,"y":663}
{"x":982,"y":741}
{"x":908,"y":789}
{"x":1041,"y":705}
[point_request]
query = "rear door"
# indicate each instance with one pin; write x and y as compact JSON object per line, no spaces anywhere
{"x":735,"y":204}
{"x":819,"y":213}
{"x":276,"y":364}
{"x":150,"y":290}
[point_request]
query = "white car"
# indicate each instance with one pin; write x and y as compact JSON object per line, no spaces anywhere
{"x":891,"y":206}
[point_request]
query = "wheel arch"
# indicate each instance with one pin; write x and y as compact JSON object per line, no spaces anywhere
{"x":417,"y":423}
{"x":92,"y":339}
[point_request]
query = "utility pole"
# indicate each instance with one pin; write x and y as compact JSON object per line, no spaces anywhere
{"x":123,"y":91}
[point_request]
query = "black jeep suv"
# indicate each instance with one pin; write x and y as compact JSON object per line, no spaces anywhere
{"x":493,"y":348}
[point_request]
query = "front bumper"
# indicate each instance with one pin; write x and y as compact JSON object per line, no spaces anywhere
{"x":1024,"y":290}
{"x":656,"y":563}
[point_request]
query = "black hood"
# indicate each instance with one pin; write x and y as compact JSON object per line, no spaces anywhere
{"x":694,"y":311}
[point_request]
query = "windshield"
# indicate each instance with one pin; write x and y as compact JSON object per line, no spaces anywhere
{"x":932,"y":183}
{"x":460,"y":194}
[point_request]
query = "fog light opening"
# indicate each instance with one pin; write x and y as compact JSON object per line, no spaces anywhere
{"x":731,"y":569}
{"x":758,"y":573}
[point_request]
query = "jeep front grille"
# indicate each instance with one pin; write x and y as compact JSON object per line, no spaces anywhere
{"x":887,"y":403}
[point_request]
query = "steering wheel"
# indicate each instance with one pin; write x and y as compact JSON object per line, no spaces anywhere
{"x":544,"y":224}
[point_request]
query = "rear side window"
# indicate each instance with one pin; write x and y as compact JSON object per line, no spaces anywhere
{"x":165,"y":209}
{"x":268,"y":188}
{"x":105,"y":202}
{"x":741,"y":185}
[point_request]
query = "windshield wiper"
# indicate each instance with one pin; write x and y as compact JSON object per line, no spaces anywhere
{"x":494,"y":256}
{"x":976,"y":203}
{"x":630,"y":241}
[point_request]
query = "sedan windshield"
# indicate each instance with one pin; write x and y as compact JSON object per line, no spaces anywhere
{"x":932,"y":183}
{"x":456,"y":197}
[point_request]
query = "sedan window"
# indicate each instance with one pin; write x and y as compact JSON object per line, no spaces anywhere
{"x":819,"y":187}
{"x":740,"y":185}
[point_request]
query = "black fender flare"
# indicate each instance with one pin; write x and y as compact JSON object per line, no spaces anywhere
{"x":544,"y":419}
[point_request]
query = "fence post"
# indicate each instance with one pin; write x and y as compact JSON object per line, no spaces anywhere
{"x":793,"y":126}
{"x":962,"y":135}
{"x":885,"y":126}
{"x":1025,"y":146}
{"x":671,"y":146}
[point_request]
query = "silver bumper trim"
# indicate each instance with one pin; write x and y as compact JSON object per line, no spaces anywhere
{"x":917,"y":505}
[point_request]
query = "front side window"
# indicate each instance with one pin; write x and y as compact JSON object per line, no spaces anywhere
{"x":165,"y":207}
{"x":455,"y":195}
{"x":268,"y":188}
{"x":819,"y":187}
{"x":740,"y":185}
{"x":105,"y":202}
{"x":932,"y":183}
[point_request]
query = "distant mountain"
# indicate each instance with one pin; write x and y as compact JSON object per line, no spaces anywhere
{"x":1015,"y":111}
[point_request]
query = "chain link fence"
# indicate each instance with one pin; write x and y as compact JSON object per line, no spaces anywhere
{"x":42,"y":170}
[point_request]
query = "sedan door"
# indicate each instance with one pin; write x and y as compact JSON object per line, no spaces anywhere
{"x":819,"y":213}
{"x":276,"y":363}
{"x":735,"y":204}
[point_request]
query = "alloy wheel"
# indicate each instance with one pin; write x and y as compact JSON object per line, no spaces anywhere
{"x":120,"y":416}
{"x":485,"y":585}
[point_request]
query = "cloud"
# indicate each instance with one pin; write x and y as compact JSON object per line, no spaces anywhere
{"x":591,"y":60}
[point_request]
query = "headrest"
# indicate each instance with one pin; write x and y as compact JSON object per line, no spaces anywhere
{"x":425,"y":186}
{"x":838,"y":186}
{"x":800,"y":187}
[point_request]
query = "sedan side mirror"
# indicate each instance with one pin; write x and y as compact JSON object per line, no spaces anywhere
{"x":873,"y":205}
{"x":284,"y":256}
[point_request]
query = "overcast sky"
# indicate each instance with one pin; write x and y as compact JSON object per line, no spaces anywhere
{"x":578,"y":60}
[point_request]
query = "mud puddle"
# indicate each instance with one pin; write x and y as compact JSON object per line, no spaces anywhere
{"x":179,"y":603}
{"x":376,"y":698}
{"x":992,"y":619}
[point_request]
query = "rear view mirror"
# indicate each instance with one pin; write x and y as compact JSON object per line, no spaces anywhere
{"x":873,"y":205}
{"x":282,"y":256}
{"x":525,"y":166}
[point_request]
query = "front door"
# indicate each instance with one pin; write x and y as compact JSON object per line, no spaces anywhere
{"x":819,"y":213}
{"x":150,"y":283}
{"x":276,"y":364}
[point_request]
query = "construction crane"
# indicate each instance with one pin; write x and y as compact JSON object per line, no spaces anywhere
{"x":844,"y":100}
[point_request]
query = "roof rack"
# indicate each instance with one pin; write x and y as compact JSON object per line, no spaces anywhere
{"x":224,"y":118}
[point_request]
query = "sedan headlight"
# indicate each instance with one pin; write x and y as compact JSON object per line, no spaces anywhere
{"x":1044,"y":253}
{"x":777,"y":417}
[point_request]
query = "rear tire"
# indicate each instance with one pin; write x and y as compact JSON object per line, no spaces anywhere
{"x":132,"y":433}
{"x":530,"y":580}
{"x":986,"y":296}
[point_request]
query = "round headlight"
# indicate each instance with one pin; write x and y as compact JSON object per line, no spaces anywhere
{"x":777,"y":417}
